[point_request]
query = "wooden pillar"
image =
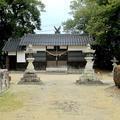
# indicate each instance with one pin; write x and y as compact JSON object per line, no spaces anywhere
{"x":46,"y":58}
{"x":67,"y":57}
{"x":7,"y":62}
{"x":56,"y":57}
{"x":56,"y":61}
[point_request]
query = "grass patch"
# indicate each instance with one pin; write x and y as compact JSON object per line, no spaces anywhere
{"x":9,"y":102}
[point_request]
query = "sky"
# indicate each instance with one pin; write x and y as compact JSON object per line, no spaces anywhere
{"x":57,"y":11}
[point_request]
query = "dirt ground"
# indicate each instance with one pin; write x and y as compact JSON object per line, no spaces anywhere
{"x":61,"y":99}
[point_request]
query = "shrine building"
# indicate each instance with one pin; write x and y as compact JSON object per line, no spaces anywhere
{"x":51,"y":51}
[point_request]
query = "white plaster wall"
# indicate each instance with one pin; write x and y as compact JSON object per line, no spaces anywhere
{"x":21,"y":57}
{"x":50,"y":47}
{"x":63,"y":47}
{"x":39,"y":48}
{"x":11,"y":53}
{"x":76,"y":48}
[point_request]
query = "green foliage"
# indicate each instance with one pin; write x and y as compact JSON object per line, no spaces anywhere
{"x":102,"y":2}
{"x":105,"y":26}
{"x":101,"y":19}
{"x":70,"y":24}
{"x":18,"y":17}
{"x":21,"y":16}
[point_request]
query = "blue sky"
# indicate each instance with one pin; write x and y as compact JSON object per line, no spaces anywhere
{"x":57,"y":11}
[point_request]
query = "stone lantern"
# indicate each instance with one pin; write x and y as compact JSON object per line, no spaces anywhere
{"x":89,"y":76}
{"x":29,"y":51}
{"x":114,"y":61}
{"x":89,"y":58}
{"x":30,"y":73}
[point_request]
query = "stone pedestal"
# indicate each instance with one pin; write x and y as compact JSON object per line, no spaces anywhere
{"x":89,"y":65}
{"x":89,"y":71}
{"x":30,"y":67}
{"x":30,"y":78}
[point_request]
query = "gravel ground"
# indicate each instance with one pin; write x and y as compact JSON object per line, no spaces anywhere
{"x":61,"y":99}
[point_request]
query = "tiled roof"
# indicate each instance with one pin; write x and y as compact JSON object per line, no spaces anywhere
{"x":11,"y":45}
{"x":55,"y":39}
{"x":47,"y":40}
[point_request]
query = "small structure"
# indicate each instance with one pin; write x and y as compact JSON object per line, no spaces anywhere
{"x":114,"y":61}
{"x":88,"y":76}
{"x":30,"y":75}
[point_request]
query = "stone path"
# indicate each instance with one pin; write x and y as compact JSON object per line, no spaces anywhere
{"x":60,"y":99}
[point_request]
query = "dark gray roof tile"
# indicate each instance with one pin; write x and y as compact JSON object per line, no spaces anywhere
{"x":47,"y":39}
{"x":12,"y":45}
{"x":55,"y":39}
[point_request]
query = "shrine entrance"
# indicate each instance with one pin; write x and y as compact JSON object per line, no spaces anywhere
{"x":56,"y":58}
{"x":56,"y":64}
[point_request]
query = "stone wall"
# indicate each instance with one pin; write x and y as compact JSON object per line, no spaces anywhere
{"x":4,"y":80}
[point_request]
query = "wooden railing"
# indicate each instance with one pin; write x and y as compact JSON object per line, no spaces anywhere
{"x":4,"y":80}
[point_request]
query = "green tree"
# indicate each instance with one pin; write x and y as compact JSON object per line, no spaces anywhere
{"x":81,"y":10}
{"x":101,"y":19}
{"x":18,"y":17}
{"x":105,"y":26}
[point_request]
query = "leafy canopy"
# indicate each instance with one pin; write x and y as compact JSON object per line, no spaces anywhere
{"x":101,"y":19}
{"x":18,"y":17}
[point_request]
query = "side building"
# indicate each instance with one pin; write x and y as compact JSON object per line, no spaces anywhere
{"x":52,"y":51}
